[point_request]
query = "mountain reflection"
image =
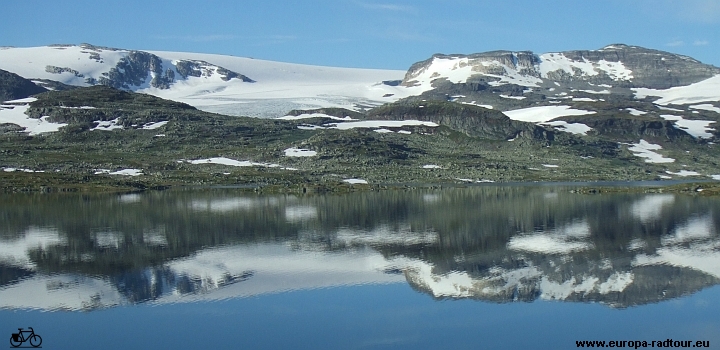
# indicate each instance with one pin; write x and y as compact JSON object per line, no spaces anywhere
{"x":494,"y":243}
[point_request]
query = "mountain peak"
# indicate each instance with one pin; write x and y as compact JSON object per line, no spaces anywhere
{"x":616,"y":65}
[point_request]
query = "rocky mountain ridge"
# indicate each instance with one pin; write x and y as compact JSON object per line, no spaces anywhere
{"x":618,"y":64}
{"x":129,"y":69}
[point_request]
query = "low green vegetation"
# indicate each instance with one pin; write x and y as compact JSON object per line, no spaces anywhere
{"x":470,"y":145}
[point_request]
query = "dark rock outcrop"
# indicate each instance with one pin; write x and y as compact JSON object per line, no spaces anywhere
{"x":134,"y":69}
{"x":60,"y":70}
{"x":13,"y":86}
{"x":473,"y":121}
{"x":631,"y":127}
{"x":105,"y":103}
{"x":197,"y":68}
{"x":139,"y":67}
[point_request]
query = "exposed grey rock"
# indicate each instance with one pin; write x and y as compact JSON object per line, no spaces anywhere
{"x":197,"y":68}
{"x":392,"y":82}
{"x":10,"y":128}
{"x":97,"y":48}
{"x":134,"y":70}
{"x":630,"y":127}
{"x":60,"y":70}
{"x":471,"y":120}
{"x":138,"y":67}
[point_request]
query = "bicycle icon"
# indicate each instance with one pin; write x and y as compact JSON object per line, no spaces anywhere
{"x":18,"y":338}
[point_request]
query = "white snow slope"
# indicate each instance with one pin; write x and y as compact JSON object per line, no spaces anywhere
{"x":278,"y":87}
{"x":707,"y":90}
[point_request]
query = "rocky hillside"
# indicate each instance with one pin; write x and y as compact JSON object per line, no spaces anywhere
{"x":101,"y":137}
{"x":474,"y":121}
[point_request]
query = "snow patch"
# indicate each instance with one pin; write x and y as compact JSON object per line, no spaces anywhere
{"x":544,"y":113}
{"x":299,"y":152}
{"x":108,"y":125}
{"x":706,"y":107}
{"x":574,"y":128}
{"x":313,"y":115}
{"x":126,"y":172}
{"x":477,"y":104}
{"x":602,"y":92}
{"x":634,"y":111}
{"x":684,"y":173}
{"x":645,"y":149}
{"x":696,"y":128}
{"x":513,"y":97}
{"x":355,"y":181}
{"x":33,"y":126}
{"x":153,"y":126}
{"x":232,"y":162}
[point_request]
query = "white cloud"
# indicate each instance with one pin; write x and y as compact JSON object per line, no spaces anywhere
{"x":675,"y":43}
{"x":701,"y":42}
{"x":387,"y":7}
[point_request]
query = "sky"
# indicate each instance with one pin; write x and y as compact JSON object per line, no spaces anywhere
{"x":384,"y":34}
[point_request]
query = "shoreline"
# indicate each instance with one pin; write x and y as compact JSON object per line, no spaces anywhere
{"x":15,"y":182}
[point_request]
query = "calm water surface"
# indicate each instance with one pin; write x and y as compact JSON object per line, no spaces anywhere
{"x":490,"y":267}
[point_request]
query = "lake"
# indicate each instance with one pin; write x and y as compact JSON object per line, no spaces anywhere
{"x":486,"y":267}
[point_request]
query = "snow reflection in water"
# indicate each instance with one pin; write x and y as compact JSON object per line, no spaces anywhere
{"x":498,"y":244}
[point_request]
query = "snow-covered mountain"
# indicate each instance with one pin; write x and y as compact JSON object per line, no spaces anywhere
{"x":216,"y":83}
{"x":579,"y":92}
{"x":502,"y":80}
{"x":611,"y":66}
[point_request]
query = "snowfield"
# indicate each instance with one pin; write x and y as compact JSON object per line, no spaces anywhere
{"x":544,"y":114}
{"x":696,"y":128}
{"x":707,"y":90}
{"x":277,"y":88}
{"x":16,"y":115}
{"x":647,"y":150}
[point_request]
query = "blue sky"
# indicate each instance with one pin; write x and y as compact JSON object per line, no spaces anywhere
{"x":366,"y":33}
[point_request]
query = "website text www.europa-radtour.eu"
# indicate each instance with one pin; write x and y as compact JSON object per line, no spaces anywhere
{"x":637,"y":344}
